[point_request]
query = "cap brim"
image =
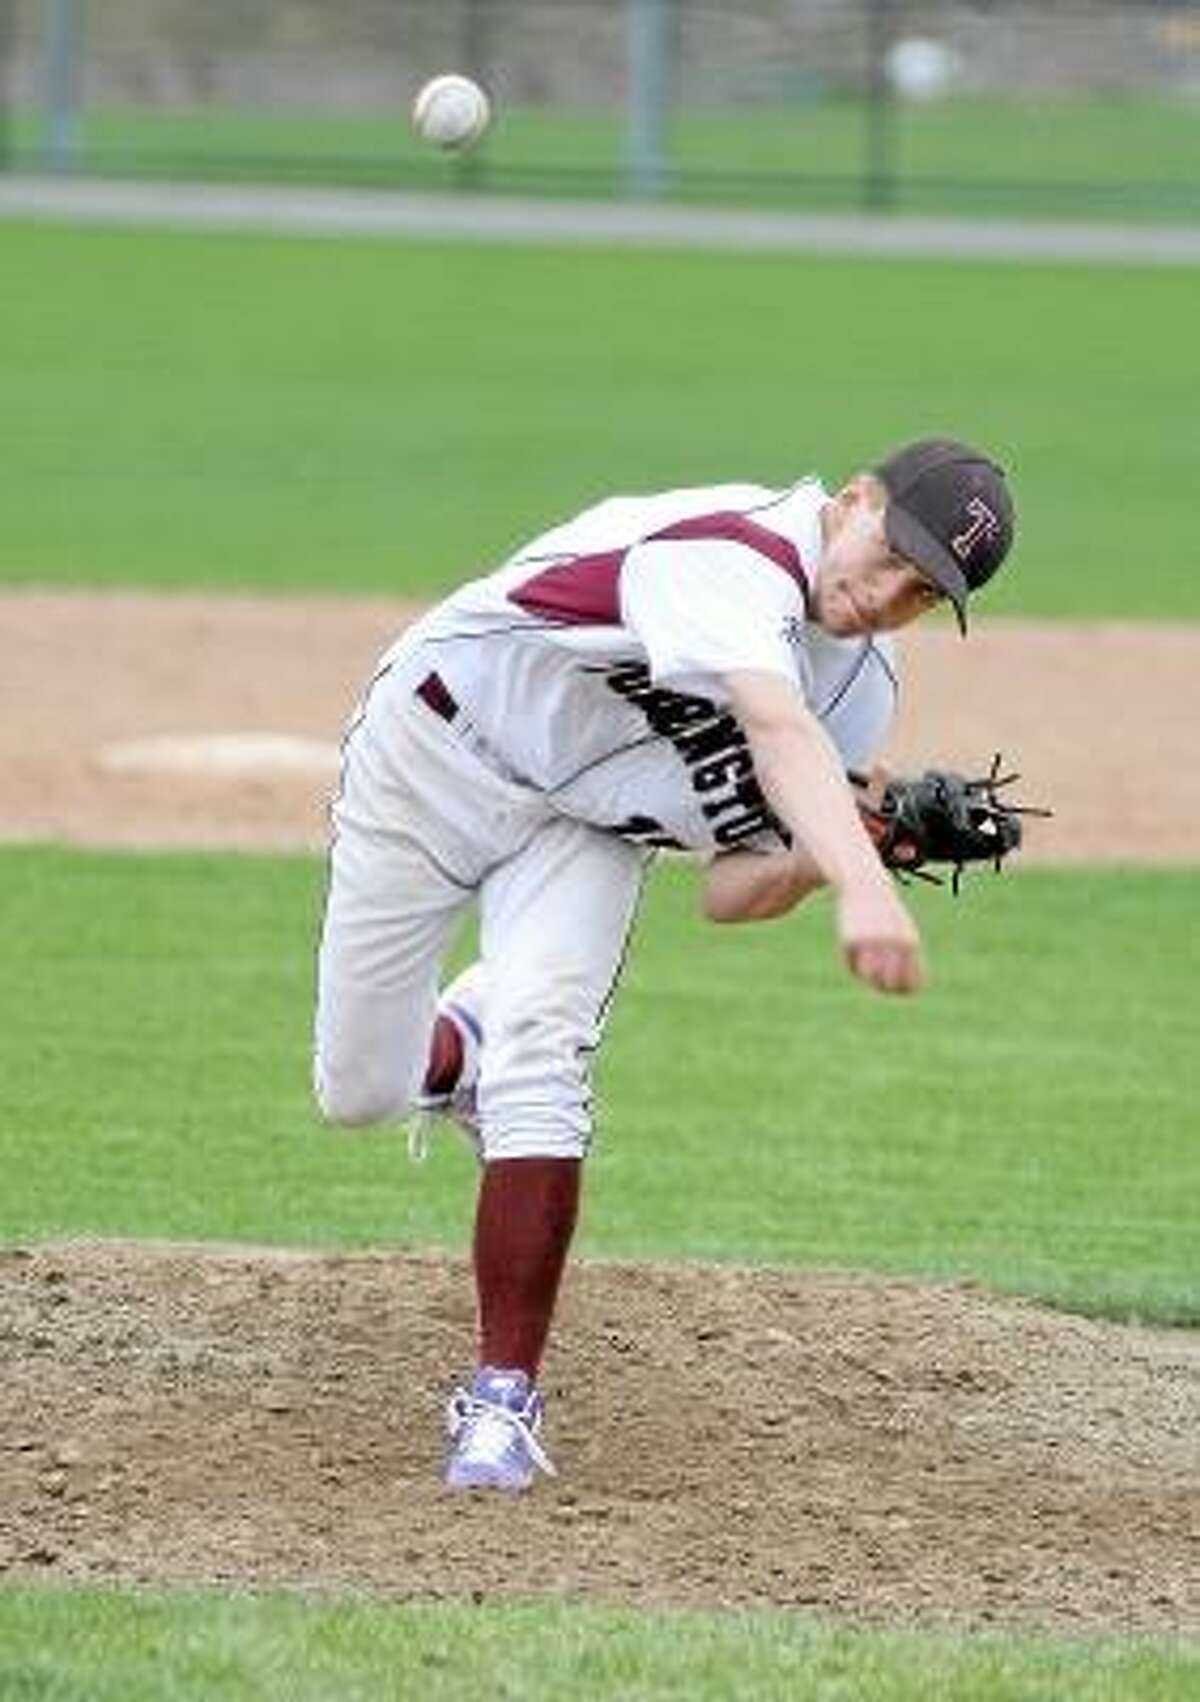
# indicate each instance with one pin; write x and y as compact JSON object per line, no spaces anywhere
{"x":910,"y":539}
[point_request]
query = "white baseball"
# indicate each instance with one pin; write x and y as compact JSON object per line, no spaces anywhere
{"x":451,"y":111}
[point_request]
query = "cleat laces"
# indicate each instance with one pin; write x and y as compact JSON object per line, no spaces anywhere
{"x":494,"y":1428}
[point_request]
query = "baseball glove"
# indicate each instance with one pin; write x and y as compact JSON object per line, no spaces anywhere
{"x":943,"y":817}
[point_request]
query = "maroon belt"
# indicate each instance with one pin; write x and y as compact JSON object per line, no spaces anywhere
{"x":434,"y":692}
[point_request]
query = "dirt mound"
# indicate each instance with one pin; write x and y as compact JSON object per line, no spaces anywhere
{"x":723,"y":1436}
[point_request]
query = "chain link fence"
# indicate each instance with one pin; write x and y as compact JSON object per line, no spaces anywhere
{"x":1064,"y":108}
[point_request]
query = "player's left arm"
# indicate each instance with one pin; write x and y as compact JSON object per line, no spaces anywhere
{"x":751,"y":886}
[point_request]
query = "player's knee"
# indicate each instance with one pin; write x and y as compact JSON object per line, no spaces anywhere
{"x":354,"y":1113}
{"x":357,"y":1102}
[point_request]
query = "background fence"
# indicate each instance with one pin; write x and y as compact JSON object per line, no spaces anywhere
{"x":1087,"y":107}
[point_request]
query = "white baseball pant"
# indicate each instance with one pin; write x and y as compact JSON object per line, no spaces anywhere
{"x":423,"y":826}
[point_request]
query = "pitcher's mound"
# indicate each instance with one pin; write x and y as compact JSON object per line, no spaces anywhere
{"x":723,"y":1435}
{"x":222,"y":756}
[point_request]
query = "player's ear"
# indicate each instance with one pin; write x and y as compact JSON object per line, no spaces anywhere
{"x":845,"y":499}
{"x":867,"y":490}
{"x":859,"y":492}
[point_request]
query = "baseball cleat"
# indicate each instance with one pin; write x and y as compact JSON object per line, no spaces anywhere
{"x":461,"y":1001}
{"x":493,"y":1430}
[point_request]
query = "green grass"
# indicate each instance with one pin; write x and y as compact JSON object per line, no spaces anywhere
{"x":1093,"y":155}
{"x":110,"y":1646}
{"x":252,"y":412}
{"x":246,"y":413}
{"x":1029,"y":1122}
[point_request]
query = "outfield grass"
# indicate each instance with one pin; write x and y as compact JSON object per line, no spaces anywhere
{"x":243,"y":412}
{"x":109,"y":1646}
{"x":253,"y":413}
{"x":1117,"y":155}
{"x":1029,"y":1122}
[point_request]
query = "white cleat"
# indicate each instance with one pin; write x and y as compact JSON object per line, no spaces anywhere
{"x":493,"y":1428}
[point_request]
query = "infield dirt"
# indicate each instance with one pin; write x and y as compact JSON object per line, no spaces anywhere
{"x":724,"y":1436}
{"x":1100,"y":719}
{"x":886,"y":1450}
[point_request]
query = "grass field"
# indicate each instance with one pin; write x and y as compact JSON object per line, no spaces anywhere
{"x":242,"y":413}
{"x":106,"y":1646}
{"x":1027,"y":1122}
{"x":1118,"y":155}
{"x":238,"y":412}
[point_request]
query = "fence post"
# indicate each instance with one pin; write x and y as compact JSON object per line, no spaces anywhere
{"x":474,"y":57}
{"x":648,"y":45}
{"x":879,"y":180}
{"x":8,"y":34}
{"x":61,"y":31}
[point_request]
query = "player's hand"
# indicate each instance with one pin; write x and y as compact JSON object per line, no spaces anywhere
{"x":880,"y":940}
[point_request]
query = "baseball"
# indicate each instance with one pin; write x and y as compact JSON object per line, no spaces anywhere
{"x":451,"y":111}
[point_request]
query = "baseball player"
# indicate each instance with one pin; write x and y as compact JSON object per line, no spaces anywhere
{"x":696,"y":669}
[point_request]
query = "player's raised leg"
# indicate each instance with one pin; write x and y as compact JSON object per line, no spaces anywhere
{"x":389,"y":917}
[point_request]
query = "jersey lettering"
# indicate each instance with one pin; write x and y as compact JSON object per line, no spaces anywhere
{"x":644,"y":830}
{"x":720,"y":733}
{"x":713,"y":748}
{"x":734,"y":765}
{"x":747,"y":795}
{"x":729,"y":834}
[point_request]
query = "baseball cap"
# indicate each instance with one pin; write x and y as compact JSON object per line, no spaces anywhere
{"x":949,"y":512}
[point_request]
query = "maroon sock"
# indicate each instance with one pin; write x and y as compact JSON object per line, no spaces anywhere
{"x":445,"y":1056}
{"x":523,"y":1227}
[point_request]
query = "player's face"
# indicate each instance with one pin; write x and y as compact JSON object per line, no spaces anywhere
{"x":864,"y":586}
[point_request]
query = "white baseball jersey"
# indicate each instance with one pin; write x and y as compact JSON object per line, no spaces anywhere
{"x":589,"y":667}
{"x":578,"y":688}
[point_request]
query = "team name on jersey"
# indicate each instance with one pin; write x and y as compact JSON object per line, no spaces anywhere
{"x":712,"y":746}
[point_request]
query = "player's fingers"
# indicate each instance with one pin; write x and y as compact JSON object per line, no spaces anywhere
{"x":886,"y":971}
{"x":887,"y":966}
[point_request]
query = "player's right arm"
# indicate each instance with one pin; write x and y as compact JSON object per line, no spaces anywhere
{"x":804,"y":782}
